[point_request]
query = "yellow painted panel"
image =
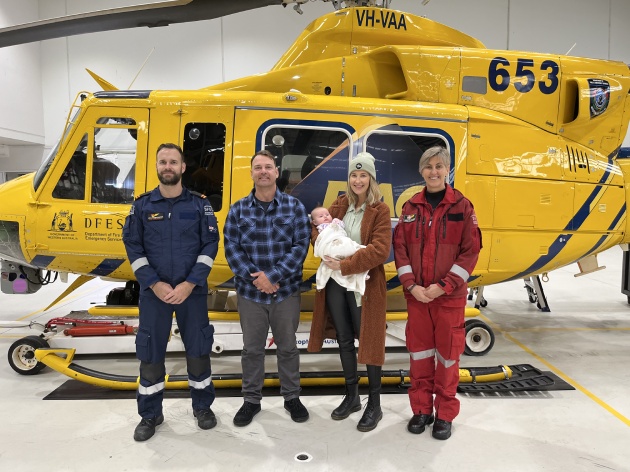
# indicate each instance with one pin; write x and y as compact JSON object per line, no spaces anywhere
{"x":599,"y":208}
{"x":533,"y":204}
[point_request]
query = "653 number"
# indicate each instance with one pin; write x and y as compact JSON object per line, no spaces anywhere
{"x":499,"y":76}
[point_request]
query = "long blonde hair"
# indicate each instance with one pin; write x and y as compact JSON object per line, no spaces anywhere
{"x":373,"y":193}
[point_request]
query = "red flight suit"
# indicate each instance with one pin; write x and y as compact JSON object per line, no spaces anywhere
{"x":439,"y":246}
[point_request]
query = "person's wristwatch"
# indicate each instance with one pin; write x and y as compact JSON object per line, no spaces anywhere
{"x":410,"y":288}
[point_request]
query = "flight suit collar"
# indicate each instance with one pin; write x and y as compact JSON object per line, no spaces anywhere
{"x":156,"y":196}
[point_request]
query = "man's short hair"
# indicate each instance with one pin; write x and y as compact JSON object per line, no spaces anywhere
{"x":263,"y":152}
{"x":170,"y":146}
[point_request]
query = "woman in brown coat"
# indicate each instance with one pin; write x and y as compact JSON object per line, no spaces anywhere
{"x":343,"y":315}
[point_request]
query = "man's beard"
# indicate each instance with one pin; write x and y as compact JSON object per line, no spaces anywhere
{"x":173,"y":179}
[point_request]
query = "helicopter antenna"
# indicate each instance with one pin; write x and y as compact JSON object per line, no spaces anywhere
{"x":141,"y":67}
{"x":571,"y":49}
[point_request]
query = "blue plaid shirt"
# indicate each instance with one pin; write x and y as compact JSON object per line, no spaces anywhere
{"x":274,"y":241}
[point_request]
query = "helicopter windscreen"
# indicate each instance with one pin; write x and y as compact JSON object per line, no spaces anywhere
{"x":43,"y":169}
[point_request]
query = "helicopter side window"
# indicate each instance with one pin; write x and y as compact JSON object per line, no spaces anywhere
{"x":404,"y":150}
{"x":71,"y":184}
{"x":204,"y":155}
{"x":299,"y":150}
{"x":113,"y":162}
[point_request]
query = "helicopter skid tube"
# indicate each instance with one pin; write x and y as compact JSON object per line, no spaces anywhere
{"x":61,"y":361}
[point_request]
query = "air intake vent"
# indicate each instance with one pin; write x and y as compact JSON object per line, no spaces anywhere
{"x":578,"y":160}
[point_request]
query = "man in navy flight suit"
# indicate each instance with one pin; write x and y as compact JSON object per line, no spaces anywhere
{"x":171,"y":238}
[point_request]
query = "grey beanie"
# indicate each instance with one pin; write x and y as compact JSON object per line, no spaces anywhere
{"x":363,"y":161}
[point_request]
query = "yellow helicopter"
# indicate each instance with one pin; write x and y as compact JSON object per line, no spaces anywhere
{"x":533,"y":138}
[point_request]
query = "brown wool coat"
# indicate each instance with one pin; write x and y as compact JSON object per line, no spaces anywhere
{"x":376,"y":234}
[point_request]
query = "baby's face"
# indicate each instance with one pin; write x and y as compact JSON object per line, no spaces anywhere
{"x":320,"y":216}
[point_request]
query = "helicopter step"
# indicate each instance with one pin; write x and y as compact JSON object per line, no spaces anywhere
{"x":535,"y":293}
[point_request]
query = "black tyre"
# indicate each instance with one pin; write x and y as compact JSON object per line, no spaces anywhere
{"x":22,"y":355}
{"x":479,"y":338}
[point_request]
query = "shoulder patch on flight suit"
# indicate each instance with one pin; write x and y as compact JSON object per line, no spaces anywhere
{"x":207,"y":210}
{"x":409,"y":218}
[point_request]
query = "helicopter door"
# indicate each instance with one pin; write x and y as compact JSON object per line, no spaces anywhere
{"x":89,"y":191}
{"x":206,"y":140}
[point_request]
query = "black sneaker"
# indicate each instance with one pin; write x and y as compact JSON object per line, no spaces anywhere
{"x":205,"y":418}
{"x":246,"y":413}
{"x":299,"y":414}
{"x":441,"y":429}
{"x":146,"y":428}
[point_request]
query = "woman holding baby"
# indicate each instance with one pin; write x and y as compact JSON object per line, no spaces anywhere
{"x":346,"y":315}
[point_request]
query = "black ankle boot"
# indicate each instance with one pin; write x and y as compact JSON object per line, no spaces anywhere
{"x":350,"y":403}
{"x":372,"y":414}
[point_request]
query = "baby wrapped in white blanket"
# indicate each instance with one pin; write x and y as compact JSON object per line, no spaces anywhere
{"x":333,"y":241}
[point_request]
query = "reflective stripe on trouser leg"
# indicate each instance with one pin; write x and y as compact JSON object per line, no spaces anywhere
{"x":421,"y":347}
{"x":198,"y":335}
{"x":156,"y":320}
{"x":450,"y":339}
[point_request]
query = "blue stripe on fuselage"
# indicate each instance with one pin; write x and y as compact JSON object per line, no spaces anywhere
{"x":107,"y":267}
{"x":42,"y":261}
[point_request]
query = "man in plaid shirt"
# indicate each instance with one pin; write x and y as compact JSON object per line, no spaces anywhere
{"x":267,"y":235}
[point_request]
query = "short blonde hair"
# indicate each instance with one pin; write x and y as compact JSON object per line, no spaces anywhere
{"x":435,"y":151}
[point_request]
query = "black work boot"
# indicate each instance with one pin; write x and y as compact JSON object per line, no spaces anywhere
{"x":418,"y":423}
{"x":442,"y":429}
{"x":146,"y":428}
{"x":205,"y":418}
{"x":350,"y":403}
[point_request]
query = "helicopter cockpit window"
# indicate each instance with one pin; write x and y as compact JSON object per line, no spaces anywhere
{"x":114,"y":159}
{"x":71,"y":184}
{"x":299,"y":150}
{"x":204,"y":155}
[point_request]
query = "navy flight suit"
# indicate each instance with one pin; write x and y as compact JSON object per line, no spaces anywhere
{"x":172,"y":240}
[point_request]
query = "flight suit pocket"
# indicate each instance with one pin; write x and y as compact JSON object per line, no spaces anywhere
{"x":154,"y":227}
{"x":143,"y":345}
{"x":207,"y":339}
{"x":189,"y":236}
{"x":458,"y":342}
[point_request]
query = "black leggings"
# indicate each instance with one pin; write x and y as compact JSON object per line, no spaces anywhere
{"x":346,"y":317}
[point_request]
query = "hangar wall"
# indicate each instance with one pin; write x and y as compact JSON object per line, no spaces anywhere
{"x":21,"y":100}
{"x":40,"y":80}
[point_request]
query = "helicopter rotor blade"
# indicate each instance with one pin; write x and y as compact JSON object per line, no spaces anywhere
{"x":149,"y":15}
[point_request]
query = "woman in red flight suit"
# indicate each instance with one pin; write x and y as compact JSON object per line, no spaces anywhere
{"x":436,"y":246}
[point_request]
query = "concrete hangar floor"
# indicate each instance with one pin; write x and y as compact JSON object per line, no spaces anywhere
{"x":585,"y":340}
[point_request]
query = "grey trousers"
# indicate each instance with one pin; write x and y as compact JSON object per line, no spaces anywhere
{"x":283,"y":318}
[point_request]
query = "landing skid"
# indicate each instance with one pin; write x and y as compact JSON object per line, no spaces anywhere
{"x":61,"y":361}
